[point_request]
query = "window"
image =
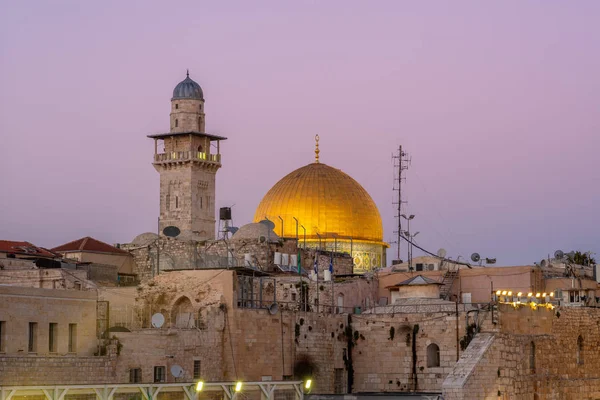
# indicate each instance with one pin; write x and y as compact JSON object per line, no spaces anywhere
{"x":580,"y":350}
{"x":433,"y":356}
{"x":135,"y":375}
{"x":72,"y":338}
{"x":200,"y":202}
{"x":2,"y":332}
{"x":52,"y":337}
{"x":168,"y":201}
{"x":197,"y":370}
{"x":293,"y":296}
{"x":176,"y":123}
{"x":176,"y":201}
{"x":32,"y":346}
{"x":199,"y":124}
{"x":199,"y":149}
{"x":159,"y":374}
{"x":419,"y":267}
{"x":200,"y":107}
{"x":532,"y":357}
{"x":176,"y":106}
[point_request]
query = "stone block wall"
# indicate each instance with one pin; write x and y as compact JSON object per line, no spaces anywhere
{"x":383,"y":350}
{"x":550,"y":355}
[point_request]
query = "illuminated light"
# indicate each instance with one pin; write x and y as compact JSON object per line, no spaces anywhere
{"x":544,"y":295}
{"x":529,"y":294}
{"x":510,"y":293}
{"x":552,"y":294}
{"x":538,"y":294}
{"x":307,"y":384}
{"x":504,"y":293}
{"x":498,"y":292}
{"x":199,"y":386}
{"x":238,"y":386}
{"x":519,"y":294}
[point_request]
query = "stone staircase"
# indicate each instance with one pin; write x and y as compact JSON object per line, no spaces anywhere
{"x":447,"y":282}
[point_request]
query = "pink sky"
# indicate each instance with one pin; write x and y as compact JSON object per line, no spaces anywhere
{"x":497,"y":103}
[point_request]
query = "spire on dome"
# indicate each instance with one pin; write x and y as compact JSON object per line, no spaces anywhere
{"x":317,"y":149}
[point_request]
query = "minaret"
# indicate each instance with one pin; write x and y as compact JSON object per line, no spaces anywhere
{"x":188,"y":165}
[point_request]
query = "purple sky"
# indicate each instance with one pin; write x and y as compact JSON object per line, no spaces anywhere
{"x":497,"y":103}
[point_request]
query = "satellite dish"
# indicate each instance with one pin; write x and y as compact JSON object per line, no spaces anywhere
{"x":558,"y":254}
{"x":176,"y":371}
{"x":273,"y":308}
{"x":441,"y":253}
{"x":262,"y":239}
{"x":543,"y":263}
{"x":232,"y":229}
{"x":571,"y":254}
{"x":158,"y":320}
{"x":269,"y":224}
{"x":171,"y":231}
{"x":475,"y":257}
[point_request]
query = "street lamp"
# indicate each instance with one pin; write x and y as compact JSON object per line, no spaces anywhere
{"x":407,"y":233}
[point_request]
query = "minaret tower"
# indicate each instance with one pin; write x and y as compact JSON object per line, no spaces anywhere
{"x":187,"y":162}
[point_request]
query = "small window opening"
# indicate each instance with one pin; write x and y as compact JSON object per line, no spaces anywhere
{"x":2,"y":340}
{"x":200,"y":149}
{"x":32,"y":345}
{"x":135,"y":375}
{"x":177,"y":106}
{"x":199,"y":124}
{"x":159,"y":374}
{"x":176,"y":123}
{"x":197,"y":370}
{"x":580,"y":350}
{"x":433,"y":356}
{"x":72,"y":338}
{"x":52,"y":337}
{"x":176,"y":201}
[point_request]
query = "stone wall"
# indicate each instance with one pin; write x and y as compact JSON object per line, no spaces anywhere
{"x":48,"y":370}
{"x":21,"y":306}
{"x":383,"y":351}
{"x":536,"y":354}
{"x":54,"y":278}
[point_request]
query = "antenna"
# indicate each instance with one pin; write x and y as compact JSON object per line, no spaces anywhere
{"x":441,"y":253}
{"x":176,"y":371}
{"x":171,"y":231}
{"x":158,"y":320}
{"x":401,"y":163}
{"x":273,"y":308}
{"x":558,"y":254}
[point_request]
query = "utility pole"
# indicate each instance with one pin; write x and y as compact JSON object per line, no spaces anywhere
{"x":401,"y":163}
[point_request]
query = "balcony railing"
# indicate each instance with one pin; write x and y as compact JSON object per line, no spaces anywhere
{"x":187,"y":156}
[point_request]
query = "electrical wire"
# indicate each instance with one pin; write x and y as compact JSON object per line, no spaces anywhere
{"x":435,"y":255}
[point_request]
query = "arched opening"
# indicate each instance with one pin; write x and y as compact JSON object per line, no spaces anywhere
{"x":199,"y":149}
{"x":580,"y":350}
{"x":176,"y":106}
{"x":532,"y":357}
{"x":182,"y":313}
{"x":433,"y":356}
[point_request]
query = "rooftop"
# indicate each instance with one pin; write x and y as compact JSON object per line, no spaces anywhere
{"x":88,"y":244}
{"x":25,"y":248}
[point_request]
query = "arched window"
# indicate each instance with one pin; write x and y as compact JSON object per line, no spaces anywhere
{"x":199,"y":149}
{"x":199,"y":123}
{"x":176,"y":123}
{"x":182,"y":313}
{"x":176,"y":106}
{"x":580,"y":350}
{"x":433,"y":356}
{"x":532,"y":357}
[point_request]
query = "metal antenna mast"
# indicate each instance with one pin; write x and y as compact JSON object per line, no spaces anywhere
{"x":401,"y":163}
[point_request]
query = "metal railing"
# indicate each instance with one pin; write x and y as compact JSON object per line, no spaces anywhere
{"x":108,"y":391}
{"x":186,"y":156}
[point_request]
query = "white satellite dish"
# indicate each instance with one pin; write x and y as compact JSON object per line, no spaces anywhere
{"x":158,"y":320}
{"x":176,"y":371}
{"x":441,"y":253}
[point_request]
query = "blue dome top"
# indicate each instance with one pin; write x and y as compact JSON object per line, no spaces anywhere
{"x":188,"y":89}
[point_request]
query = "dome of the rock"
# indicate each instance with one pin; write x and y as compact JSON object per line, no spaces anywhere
{"x":327,"y":209}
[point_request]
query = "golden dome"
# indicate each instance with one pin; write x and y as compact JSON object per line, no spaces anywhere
{"x":326,"y":201}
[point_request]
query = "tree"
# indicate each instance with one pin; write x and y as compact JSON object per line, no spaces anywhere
{"x":581,"y":258}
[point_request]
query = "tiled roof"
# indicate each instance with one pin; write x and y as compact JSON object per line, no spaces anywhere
{"x":25,"y":248}
{"x":88,"y":244}
{"x":418,"y":280}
